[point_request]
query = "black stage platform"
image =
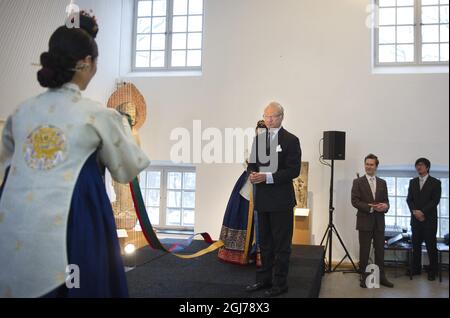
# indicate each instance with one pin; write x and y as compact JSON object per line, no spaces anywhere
{"x":161,"y":275}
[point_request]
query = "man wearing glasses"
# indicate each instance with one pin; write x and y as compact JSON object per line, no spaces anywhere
{"x":275,"y":161}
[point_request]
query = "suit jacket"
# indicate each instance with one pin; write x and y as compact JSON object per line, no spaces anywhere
{"x":280,"y":195}
{"x":425,"y":200}
{"x":361,"y":198}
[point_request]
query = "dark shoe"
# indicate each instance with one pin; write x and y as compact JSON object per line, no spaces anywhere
{"x":276,"y":291}
{"x":384,"y":281}
{"x":362,"y":280}
{"x":257,"y":286}
{"x":431,"y":276}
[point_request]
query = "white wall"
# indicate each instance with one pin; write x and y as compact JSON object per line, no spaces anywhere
{"x":313,"y":56}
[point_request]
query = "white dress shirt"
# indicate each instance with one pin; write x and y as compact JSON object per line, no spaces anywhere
{"x":273,"y":132}
{"x":422,"y":180}
{"x":373,"y":187}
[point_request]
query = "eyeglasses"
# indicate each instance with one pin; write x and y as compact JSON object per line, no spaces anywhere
{"x":271,"y":117}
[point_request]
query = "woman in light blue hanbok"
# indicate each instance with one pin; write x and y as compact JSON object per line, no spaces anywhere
{"x":57,"y":231}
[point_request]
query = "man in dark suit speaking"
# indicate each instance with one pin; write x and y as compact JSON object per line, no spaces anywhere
{"x":274,"y":162}
{"x":424,"y":195}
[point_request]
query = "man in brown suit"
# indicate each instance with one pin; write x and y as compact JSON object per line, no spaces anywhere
{"x":370,"y":197}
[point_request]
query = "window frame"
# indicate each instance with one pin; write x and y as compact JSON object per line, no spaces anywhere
{"x":168,"y":46}
{"x":387,"y":173}
{"x":163,"y":192}
{"x":417,"y":40}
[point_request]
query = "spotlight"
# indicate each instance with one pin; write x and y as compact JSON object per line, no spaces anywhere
{"x":130,"y":249}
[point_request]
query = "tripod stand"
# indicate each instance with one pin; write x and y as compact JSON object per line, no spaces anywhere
{"x":329,"y":234}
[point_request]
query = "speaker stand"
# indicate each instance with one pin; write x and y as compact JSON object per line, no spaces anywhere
{"x":329,"y":236}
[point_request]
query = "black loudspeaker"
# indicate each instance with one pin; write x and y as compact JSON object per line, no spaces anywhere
{"x":334,"y":145}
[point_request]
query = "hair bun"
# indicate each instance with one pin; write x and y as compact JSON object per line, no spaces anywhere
{"x":47,"y":73}
{"x":67,"y":46}
{"x":55,"y":61}
{"x":55,"y":70}
{"x":88,"y":23}
{"x":47,"y":60}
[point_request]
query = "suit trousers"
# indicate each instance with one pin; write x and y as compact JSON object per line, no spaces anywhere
{"x":425,"y":231}
{"x":275,"y":240}
{"x":365,"y":242}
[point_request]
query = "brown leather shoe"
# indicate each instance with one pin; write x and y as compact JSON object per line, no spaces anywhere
{"x":362,"y":281}
{"x":362,"y":284}
{"x":384,"y":281}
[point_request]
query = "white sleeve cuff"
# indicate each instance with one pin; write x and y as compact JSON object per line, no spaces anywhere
{"x":269,"y":178}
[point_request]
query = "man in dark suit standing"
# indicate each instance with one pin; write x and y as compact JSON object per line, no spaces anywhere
{"x":370,"y":197}
{"x":424,"y":195}
{"x":274,"y":199}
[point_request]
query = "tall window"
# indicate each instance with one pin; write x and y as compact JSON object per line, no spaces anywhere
{"x":168,"y":35}
{"x":169,"y":195}
{"x":412,"y":32}
{"x":399,"y":214}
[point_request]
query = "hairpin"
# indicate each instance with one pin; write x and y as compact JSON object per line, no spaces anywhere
{"x":80,"y":67}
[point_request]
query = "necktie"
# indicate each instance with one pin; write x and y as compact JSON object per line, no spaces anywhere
{"x":372,"y":185}
{"x":421,"y":183}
